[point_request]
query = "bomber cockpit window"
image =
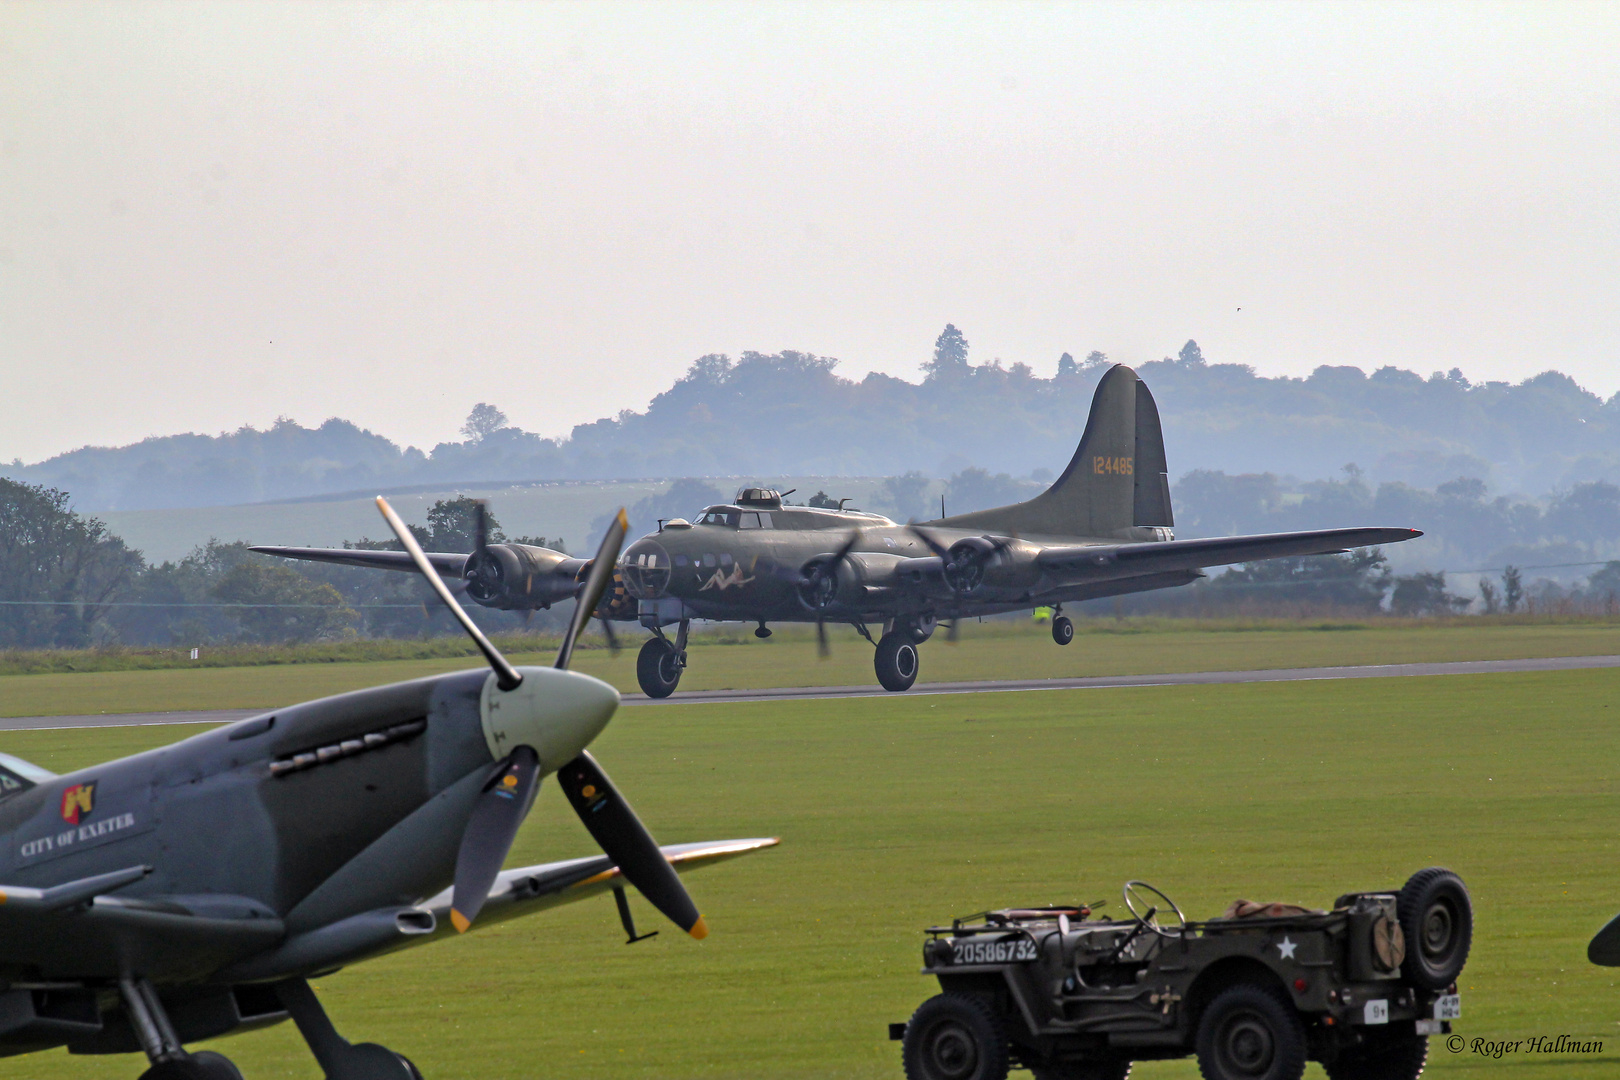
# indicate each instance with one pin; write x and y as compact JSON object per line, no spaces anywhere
{"x":751,"y":520}
{"x":717,"y":515}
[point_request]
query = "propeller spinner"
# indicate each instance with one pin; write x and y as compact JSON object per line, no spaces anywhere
{"x":557,"y":709}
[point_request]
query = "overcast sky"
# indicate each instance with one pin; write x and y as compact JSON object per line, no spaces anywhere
{"x":215,"y":214}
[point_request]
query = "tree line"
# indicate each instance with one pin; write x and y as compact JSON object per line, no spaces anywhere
{"x":67,"y":582}
{"x":790,"y":413}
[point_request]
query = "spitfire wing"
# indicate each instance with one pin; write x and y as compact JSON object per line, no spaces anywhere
{"x":446,"y":563}
{"x":516,"y":892}
{"x":536,"y":888}
{"x":1166,"y":555}
{"x":76,"y":930}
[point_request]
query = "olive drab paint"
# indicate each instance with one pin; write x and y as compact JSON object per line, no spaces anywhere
{"x":1116,"y":480}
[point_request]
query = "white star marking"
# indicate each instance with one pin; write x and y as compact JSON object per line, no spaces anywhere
{"x":1287,"y":948}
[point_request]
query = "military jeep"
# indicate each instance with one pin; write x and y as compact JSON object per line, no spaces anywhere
{"x":1254,"y":993}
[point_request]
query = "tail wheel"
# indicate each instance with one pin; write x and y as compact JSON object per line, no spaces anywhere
{"x":955,"y":1037}
{"x":1437,"y":920}
{"x":658,"y":668}
{"x":1062,"y":630}
{"x":896,"y":661}
{"x":1401,"y":1059}
{"x":1249,"y":1032}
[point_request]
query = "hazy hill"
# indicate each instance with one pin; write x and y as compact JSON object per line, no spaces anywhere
{"x":791,"y":414}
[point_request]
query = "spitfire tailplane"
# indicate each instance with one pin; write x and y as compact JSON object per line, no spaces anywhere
{"x":1116,"y":486}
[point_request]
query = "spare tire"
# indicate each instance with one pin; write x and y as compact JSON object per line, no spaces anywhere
{"x":1437,"y":919}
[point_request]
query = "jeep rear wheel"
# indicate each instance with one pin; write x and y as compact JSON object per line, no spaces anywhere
{"x":1437,"y":918}
{"x":1250,"y":1033}
{"x":955,"y":1037}
{"x":1401,"y":1059}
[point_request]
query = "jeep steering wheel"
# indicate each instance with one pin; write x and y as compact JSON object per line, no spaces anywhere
{"x":1148,"y":915}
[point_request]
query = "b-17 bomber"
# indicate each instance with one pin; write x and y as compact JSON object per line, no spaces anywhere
{"x":1104,"y":528}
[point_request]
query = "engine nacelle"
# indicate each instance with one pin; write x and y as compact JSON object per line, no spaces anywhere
{"x":518,"y":577}
{"x":1010,"y":564}
{"x":617,"y":603}
{"x":967,"y":561}
{"x":846,"y":587}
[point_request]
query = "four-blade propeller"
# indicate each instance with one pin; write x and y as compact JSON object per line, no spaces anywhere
{"x":818,"y":587}
{"x":506,"y":797}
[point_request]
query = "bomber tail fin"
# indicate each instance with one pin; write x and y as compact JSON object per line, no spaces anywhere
{"x":1117,"y":485}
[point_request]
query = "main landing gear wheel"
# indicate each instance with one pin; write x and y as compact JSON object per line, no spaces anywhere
{"x":955,"y":1037}
{"x":1062,"y":630}
{"x":1249,"y":1032}
{"x":658,"y":668}
{"x":896,"y":661}
{"x":203,"y":1065}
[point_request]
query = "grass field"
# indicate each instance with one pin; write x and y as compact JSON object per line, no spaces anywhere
{"x":896,"y":812}
{"x":732,"y":657}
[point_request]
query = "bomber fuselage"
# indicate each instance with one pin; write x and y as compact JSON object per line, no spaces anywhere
{"x":751,"y":562}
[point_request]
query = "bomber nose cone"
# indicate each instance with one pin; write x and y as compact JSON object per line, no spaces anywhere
{"x":646,"y":569}
{"x":557,"y":712}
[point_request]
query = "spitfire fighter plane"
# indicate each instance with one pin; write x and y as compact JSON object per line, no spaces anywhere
{"x":1103,"y":528}
{"x":192,"y":891}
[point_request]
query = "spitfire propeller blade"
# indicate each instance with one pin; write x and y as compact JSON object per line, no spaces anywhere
{"x":506,"y":676}
{"x":619,"y":833}
{"x":596,"y":583}
{"x":493,"y":826}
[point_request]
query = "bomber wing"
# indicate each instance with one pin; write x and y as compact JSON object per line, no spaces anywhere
{"x":447,"y":563}
{"x":515,"y":893}
{"x":1155,"y":557}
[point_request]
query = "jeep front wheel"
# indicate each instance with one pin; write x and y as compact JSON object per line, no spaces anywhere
{"x":1249,"y":1032}
{"x":955,"y":1037}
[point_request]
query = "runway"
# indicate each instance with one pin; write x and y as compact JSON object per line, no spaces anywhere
{"x":819,"y":693}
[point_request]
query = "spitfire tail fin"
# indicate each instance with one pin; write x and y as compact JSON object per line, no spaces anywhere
{"x":1116,"y":486}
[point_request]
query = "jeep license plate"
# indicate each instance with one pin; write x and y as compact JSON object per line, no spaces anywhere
{"x":970,"y":951}
{"x":1448,"y":1007}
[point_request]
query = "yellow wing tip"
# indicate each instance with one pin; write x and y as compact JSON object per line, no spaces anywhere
{"x":624,"y":522}
{"x":700,"y":929}
{"x":458,"y":920}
